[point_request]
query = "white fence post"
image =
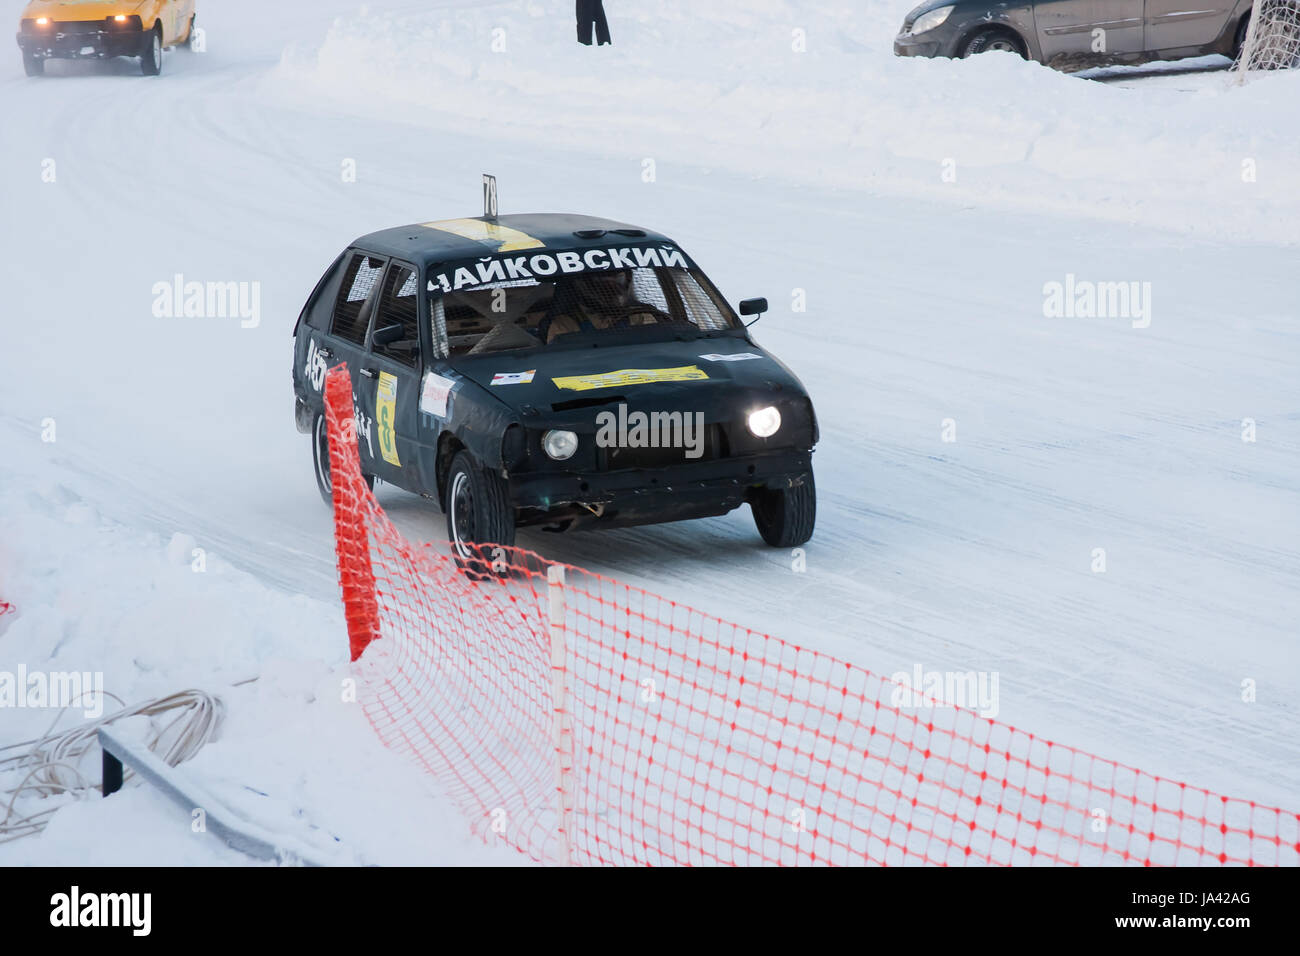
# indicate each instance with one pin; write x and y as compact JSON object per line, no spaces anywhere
{"x":561,"y":727}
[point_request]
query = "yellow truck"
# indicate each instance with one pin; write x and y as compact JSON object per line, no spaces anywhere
{"x":97,"y":29}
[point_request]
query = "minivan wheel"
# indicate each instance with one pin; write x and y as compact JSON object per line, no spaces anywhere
{"x":479,"y":516}
{"x":188,"y":42}
{"x":33,"y":65}
{"x":993,"y":40}
{"x":151,"y":59}
{"x":786,"y":516}
{"x":320,"y":453}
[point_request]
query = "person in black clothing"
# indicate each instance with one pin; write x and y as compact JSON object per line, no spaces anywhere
{"x":591,"y":13}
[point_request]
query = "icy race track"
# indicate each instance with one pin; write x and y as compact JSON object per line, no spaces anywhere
{"x":816,"y":176}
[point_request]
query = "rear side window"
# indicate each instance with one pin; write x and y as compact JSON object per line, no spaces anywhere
{"x":356,"y":298}
{"x":399,"y":305}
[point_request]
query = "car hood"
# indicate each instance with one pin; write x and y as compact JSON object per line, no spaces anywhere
{"x":81,"y":9}
{"x":709,"y":375}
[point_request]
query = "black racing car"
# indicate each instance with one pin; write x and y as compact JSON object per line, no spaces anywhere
{"x":554,"y":370}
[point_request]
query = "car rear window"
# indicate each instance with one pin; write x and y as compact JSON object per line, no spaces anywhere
{"x":534,"y":313}
{"x":356,"y":297}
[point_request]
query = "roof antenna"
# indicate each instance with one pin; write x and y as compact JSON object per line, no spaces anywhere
{"x":489,"y":196}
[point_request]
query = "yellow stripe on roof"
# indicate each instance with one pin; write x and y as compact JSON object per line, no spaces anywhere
{"x":508,"y":240}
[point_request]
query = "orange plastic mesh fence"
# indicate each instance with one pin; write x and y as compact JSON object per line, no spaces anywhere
{"x":680,"y":738}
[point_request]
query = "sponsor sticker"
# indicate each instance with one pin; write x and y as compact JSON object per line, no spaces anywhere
{"x":386,"y":416}
{"x":502,"y":238}
{"x":434,"y":394}
{"x":736,"y":357}
{"x":315,"y":368}
{"x":630,"y":376}
{"x":513,"y":378}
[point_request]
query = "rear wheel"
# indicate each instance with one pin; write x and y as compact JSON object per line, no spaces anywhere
{"x":151,"y":59}
{"x":479,"y":517}
{"x":993,"y":40}
{"x":786,"y":516}
{"x":320,"y":453}
{"x":188,"y":42}
{"x":33,"y":65}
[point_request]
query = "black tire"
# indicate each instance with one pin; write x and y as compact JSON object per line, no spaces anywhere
{"x":1240,"y":39}
{"x":786,"y":516}
{"x":479,"y":517}
{"x":188,"y":42}
{"x":320,"y":455}
{"x":33,"y":65}
{"x":151,"y":58}
{"x":994,"y":39}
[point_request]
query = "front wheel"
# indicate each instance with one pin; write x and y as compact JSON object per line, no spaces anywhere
{"x":993,"y":40}
{"x":33,"y":65}
{"x":151,"y":59}
{"x":786,"y":516}
{"x":320,"y":453}
{"x":479,"y":517}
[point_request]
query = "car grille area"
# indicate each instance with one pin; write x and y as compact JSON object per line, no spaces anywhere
{"x":619,"y":458}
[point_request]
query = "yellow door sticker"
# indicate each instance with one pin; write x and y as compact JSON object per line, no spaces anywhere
{"x":630,"y":376}
{"x":386,"y":416}
{"x":507,"y":239}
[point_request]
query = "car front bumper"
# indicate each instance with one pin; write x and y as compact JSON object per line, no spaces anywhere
{"x":907,"y":45}
{"x":943,"y":40}
{"x":55,"y":44}
{"x":650,"y":496}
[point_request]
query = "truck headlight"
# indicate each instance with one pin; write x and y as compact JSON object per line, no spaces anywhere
{"x":560,"y":445}
{"x":765,"y":422}
{"x":928,"y":21}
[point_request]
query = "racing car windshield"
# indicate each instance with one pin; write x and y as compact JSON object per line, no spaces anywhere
{"x":540,"y":312}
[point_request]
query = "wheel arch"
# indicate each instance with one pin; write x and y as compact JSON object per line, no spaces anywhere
{"x":449,"y":446}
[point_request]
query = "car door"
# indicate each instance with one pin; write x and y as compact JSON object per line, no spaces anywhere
{"x":1174,"y":24}
{"x":1089,"y":27}
{"x":347,"y":341}
{"x":388,"y":379}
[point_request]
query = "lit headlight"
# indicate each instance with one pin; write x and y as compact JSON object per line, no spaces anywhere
{"x":765,"y":422}
{"x":42,"y":21}
{"x":928,"y":21}
{"x":560,"y":445}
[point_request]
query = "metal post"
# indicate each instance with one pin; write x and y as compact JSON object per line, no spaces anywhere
{"x":111,"y":773}
{"x":561,"y":728}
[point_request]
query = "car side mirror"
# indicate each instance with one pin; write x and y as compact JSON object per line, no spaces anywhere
{"x":388,"y":335}
{"x":753,"y":307}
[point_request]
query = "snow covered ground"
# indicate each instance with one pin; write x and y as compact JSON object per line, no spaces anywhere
{"x":920,"y":207}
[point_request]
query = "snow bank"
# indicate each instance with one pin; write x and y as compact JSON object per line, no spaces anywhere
{"x":157,"y":615}
{"x":811,"y":92}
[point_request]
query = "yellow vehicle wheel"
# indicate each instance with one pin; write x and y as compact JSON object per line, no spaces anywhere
{"x":33,"y":65}
{"x":151,"y":59}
